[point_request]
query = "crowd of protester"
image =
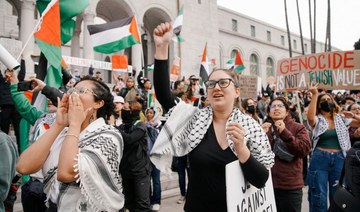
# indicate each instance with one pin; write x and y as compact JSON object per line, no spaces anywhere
{"x":98,"y":149}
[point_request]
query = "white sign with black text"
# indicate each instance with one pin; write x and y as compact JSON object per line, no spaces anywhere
{"x":241,"y":196}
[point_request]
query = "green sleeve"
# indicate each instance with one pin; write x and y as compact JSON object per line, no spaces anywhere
{"x":23,"y":106}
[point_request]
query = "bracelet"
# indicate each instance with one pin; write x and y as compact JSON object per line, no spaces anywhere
{"x":69,"y":134}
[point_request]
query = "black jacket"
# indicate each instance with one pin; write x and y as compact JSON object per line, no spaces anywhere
{"x":5,"y":96}
{"x":135,"y":160}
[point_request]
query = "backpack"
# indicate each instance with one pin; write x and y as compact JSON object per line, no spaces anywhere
{"x":347,"y":198}
{"x":352,"y":169}
{"x":152,"y":134}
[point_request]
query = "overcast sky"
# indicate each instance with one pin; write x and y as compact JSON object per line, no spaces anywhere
{"x":345,"y":17}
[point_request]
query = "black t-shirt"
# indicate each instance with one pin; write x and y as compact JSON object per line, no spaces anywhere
{"x":207,"y":189}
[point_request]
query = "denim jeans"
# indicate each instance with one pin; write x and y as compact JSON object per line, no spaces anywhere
{"x":324,"y":170}
{"x":183,"y":165}
{"x":155,"y":197}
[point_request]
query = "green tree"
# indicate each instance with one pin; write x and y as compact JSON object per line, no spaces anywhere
{"x":328,"y":30}
{"x":301,"y":34}
{"x":288,"y":29}
{"x":357,"y":45}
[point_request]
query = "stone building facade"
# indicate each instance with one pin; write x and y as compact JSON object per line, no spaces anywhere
{"x":205,"y":22}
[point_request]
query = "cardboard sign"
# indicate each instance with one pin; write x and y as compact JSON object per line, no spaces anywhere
{"x":248,"y":86}
{"x":332,"y":70}
{"x":241,"y":196}
{"x":175,"y":69}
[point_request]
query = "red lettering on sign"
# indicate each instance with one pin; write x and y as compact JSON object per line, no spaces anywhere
{"x":322,"y":63}
{"x":284,"y":67}
{"x":337,"y":63}
{"x":348,"y":58}
{"x":312,"y":64}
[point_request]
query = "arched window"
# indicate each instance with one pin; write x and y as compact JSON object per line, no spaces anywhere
{"x":233,"y":53}
{"x":270,"y":71}
{"x":254,"y":65}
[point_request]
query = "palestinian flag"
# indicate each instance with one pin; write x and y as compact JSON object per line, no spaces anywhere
{"x":204,"y":67}
{"x":178,"y":22}
{"x":114,"y":36}
{"x":239,"y":65}
{"x":230,"y":63}
{"x":68,"y":10}
{"x":48,"y":39}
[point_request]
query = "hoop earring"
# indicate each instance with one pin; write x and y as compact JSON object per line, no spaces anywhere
{"x":92,"y":116}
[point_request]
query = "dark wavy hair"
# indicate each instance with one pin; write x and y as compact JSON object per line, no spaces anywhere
{"x":245,"y":104}
{"x":336,"y":109}
{"x":281,"y":99}
{"x":102,"y":92}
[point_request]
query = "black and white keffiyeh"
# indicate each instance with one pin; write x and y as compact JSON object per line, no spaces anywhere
{"x":99,"y":184}
{"x":186,"y":127}
{"x":341,"y":128}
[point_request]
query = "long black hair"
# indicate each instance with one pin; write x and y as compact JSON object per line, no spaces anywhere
{"x":102,"y":92}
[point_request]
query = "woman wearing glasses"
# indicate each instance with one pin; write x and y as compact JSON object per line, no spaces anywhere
{"x":287,"y":171}
{"x":331,"y":140}
{"x":213,"y":136}
{"x":80,"y":153}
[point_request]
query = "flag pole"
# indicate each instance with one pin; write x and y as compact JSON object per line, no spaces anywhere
{"x":50,"y":4}
{"x":28,"y":40}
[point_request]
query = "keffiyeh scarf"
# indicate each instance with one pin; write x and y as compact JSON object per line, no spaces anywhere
{"x":186,"y":127}
{"x":99,"y":184}
{"x":341,"y":129}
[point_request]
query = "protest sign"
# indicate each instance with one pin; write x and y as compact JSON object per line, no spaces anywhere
{"x":248,"y":86}
{"x":241,"y":196}
{"x":7,"y":59}
{"x":332,"y":70}
{"x":175,"y":69}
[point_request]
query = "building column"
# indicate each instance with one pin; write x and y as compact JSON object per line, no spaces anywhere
{"x":88,"y":51}
{"x":26,"y":30}
{"x":136,"y":57}
{"x":75,"y":43}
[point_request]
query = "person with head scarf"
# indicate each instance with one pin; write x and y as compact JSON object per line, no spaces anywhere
{"x":135,"y":166}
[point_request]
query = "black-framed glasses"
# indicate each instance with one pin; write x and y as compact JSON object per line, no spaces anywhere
{"x":81,"y":91}
{"x":223,"y":83}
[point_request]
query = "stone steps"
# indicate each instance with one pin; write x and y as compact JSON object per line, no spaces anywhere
{"x":169,"y":188}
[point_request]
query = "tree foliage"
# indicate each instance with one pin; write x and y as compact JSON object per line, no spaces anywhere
{"x":357,"y":45}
